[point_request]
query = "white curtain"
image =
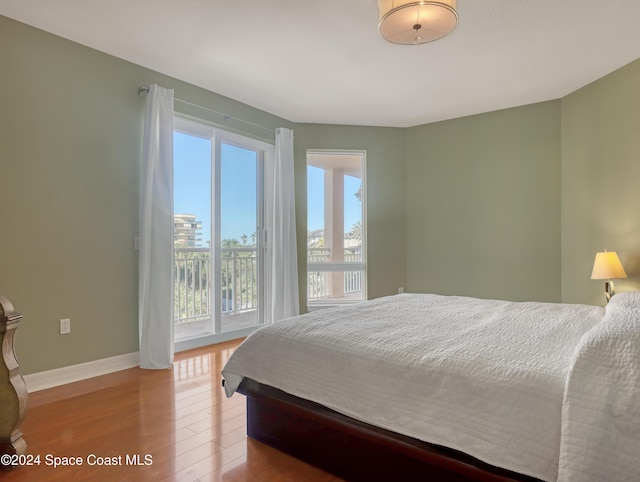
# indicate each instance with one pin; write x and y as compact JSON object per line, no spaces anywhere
{"x":281,"y":231}
{"x":155,"y":289}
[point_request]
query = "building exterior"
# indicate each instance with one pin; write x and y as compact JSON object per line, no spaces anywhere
{"x":187,"y":231}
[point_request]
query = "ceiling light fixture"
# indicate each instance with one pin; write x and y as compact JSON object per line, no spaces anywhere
{"x":411,"y":22}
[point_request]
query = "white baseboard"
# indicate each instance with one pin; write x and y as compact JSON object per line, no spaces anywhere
{"x":82,"y":371}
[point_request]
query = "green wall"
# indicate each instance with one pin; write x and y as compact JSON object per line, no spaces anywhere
{"x":601,"y":182}
{"x":483,"y":195}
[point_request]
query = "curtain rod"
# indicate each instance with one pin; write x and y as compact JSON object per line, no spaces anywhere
{"x":144,"y":89}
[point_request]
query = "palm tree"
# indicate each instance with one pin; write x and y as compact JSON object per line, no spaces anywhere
{"x":229,"y":243}
{"x":358,"y":193}
{"x":356,"y":231}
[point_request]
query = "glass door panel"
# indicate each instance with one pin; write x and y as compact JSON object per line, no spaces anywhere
{"x":192,"y":236}
{"x":239,"y":228}
{"x":218,"y":231}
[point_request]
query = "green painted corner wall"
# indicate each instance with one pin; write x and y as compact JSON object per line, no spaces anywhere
{"x":483,"y":195}
{"x":601,"y":182}
{"x":514,"y":204}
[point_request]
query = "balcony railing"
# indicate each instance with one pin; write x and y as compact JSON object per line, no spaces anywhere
{"x":192,"y":284}
{"x":317,"y":280}
{"x":192,"y":281}
{"x":239,"y":280}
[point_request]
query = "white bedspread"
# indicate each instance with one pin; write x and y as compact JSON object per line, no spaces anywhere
{"x":601,"y":414}
{"x":484,"y":377}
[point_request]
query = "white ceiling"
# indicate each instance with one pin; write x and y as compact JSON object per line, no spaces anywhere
{"x":323,"y":61}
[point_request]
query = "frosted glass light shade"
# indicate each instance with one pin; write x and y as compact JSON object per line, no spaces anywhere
{"x":416,"y":22}
{"x":607,"y":265}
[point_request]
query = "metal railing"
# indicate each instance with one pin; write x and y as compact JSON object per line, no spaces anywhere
{"x":239,"y":280}
{"x":191,"y":285}
{"x":316,"y":280}
{"x":192,"y":282}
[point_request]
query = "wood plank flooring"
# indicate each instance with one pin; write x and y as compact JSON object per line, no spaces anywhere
{"x":155,"y":425}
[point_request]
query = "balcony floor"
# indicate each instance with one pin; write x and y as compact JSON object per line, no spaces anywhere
{"x":201,"y":328}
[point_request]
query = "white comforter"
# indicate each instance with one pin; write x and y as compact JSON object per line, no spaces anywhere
{"x":601,"y":413}
{"x":484,"y":377}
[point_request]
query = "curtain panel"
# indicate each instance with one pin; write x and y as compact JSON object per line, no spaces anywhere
{"x":281,"y":229}
{"x":155,"y":288}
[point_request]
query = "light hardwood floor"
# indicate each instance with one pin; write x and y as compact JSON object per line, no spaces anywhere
{"x":178,"y":421}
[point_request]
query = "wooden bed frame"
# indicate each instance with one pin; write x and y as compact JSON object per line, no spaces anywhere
{"x":355,"y":450}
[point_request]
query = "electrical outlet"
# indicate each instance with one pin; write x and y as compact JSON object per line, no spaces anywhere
{"x":65,"y":326}
{"x":401,"y":289}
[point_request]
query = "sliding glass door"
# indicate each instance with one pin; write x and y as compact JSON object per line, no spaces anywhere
{"x":218,"y":230}
{"x":240,"y":250}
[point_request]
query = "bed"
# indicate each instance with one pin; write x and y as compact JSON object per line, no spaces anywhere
{"x":450,"y":388}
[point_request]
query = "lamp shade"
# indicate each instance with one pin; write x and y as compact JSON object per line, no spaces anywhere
{"x":607,"y":265}
{"x":416,"y":22}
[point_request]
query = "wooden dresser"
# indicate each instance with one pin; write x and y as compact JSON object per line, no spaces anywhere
{"x":13,"y":390}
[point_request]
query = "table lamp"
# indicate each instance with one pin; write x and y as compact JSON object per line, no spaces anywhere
{"x":607,"y":266}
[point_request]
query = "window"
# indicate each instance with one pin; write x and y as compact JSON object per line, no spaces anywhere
{"x":218,"y":231}
{"x":336,"y":227}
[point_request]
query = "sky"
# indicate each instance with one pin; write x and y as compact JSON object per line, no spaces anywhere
{"x":192,"y":189}
{"x":192,"y":179}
